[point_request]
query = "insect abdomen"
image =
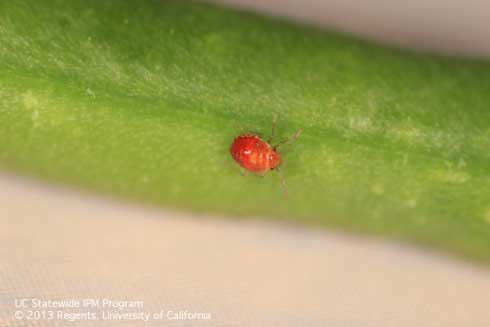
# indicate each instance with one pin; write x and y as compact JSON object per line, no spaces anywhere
{"x":253,"y":153}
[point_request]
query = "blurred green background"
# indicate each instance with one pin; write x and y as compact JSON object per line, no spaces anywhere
{"x":141,"y":100}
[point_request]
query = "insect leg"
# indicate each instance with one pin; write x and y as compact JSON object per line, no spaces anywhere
{"x":283,"y":182}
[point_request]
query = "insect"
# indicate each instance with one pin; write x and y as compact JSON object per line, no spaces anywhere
{"x":257,"y":155}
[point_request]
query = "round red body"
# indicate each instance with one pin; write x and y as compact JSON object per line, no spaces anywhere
{"x":254,"y":154}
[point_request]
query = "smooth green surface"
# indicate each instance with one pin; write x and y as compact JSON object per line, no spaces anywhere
{"x":142,"y":99}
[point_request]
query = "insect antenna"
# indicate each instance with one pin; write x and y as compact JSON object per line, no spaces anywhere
{"x":291,"y":139}
{"x":273,"y":132}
